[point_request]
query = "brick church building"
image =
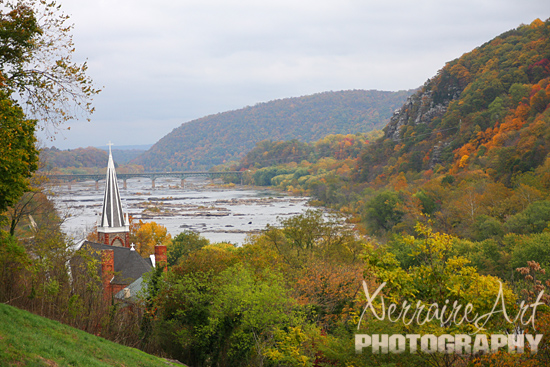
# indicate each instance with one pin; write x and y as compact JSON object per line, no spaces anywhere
{"x":121,"y":266}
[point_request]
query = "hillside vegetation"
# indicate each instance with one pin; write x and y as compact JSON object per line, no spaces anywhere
{"x":453,"y":208}
{"x":469,"y":152}
{"x":53,"y":158}
{"x":85,"y":160}
{"x":31,"y":340}
{"x":486,"y":110}
{"x":452,"y":200}
{"x":215,"y":139}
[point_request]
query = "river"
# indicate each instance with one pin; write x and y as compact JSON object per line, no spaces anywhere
{"x":217,"y":212}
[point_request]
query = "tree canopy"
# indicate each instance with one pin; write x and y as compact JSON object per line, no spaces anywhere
{"x":36,"y":49}
{"x":39,"y":85}
{"x":18,"y":154}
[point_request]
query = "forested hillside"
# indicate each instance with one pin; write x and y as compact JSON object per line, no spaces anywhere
{"x":53,"y":158}
{"x":486,"y":110}
{"x":469,"y":152}
{"x":215,"y":139}
{"x":85,"y":160}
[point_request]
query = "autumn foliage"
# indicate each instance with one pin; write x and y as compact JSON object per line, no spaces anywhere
{"x":448,"y":205}
{"x":146,"y":235}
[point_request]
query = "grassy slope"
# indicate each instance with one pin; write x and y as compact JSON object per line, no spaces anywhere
{"x":30,"y":340}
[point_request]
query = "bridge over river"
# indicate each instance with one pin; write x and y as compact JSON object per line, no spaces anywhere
{"x":151,"y":175}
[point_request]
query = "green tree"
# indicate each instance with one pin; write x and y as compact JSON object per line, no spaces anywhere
{"x":540,"y":101}
{"x":313,"y":235}
{"x":183,"y":244}
{"x":215,"y":311}
{"x":382,"y":212}
{"x":428,"y":203}
{"x":534,"y":219}
{"x":18,"y":29}
{"x":18,"y":154}
{"x":12,"y":260}
{"x":518,"y":92}
{"x":534,"y":247}
{"x":487,"y":227}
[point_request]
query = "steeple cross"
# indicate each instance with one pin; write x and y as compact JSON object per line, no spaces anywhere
{"x":109,"y":144}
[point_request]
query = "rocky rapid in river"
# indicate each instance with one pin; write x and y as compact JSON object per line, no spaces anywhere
{"x":218,"y":212}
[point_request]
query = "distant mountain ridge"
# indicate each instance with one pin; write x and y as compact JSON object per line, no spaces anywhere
{"x":142,"y":147}
{"x":215,"y":139}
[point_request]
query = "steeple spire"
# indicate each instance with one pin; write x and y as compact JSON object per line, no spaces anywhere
{"x":113,"y":224}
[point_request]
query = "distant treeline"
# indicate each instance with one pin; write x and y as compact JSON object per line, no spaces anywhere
{"x":84,"y":160}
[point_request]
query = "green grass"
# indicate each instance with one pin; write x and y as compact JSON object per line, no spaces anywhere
{"x":30,"y":340}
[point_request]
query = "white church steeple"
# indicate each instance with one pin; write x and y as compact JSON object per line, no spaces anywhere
{"x":114,"y":227}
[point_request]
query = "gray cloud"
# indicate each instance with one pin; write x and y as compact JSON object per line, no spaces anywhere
{"x":165,"y":62}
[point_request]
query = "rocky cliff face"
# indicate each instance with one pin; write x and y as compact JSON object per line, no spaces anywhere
{"x":477,"y":113}
{"x":420,"y":108}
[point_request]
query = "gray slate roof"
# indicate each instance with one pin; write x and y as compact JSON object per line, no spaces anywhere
{"x":129,"y":265}
{"x":129,"y":294}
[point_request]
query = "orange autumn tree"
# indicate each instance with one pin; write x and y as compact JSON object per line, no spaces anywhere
{"x":147,"y":235}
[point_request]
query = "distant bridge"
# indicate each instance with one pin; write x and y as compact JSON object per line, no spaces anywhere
{"x":151,"y":175}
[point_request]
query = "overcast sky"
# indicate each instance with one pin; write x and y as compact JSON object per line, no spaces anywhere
{"x":165,"y":62}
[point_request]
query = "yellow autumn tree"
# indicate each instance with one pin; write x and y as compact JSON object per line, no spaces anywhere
{"x":146,"y":235}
